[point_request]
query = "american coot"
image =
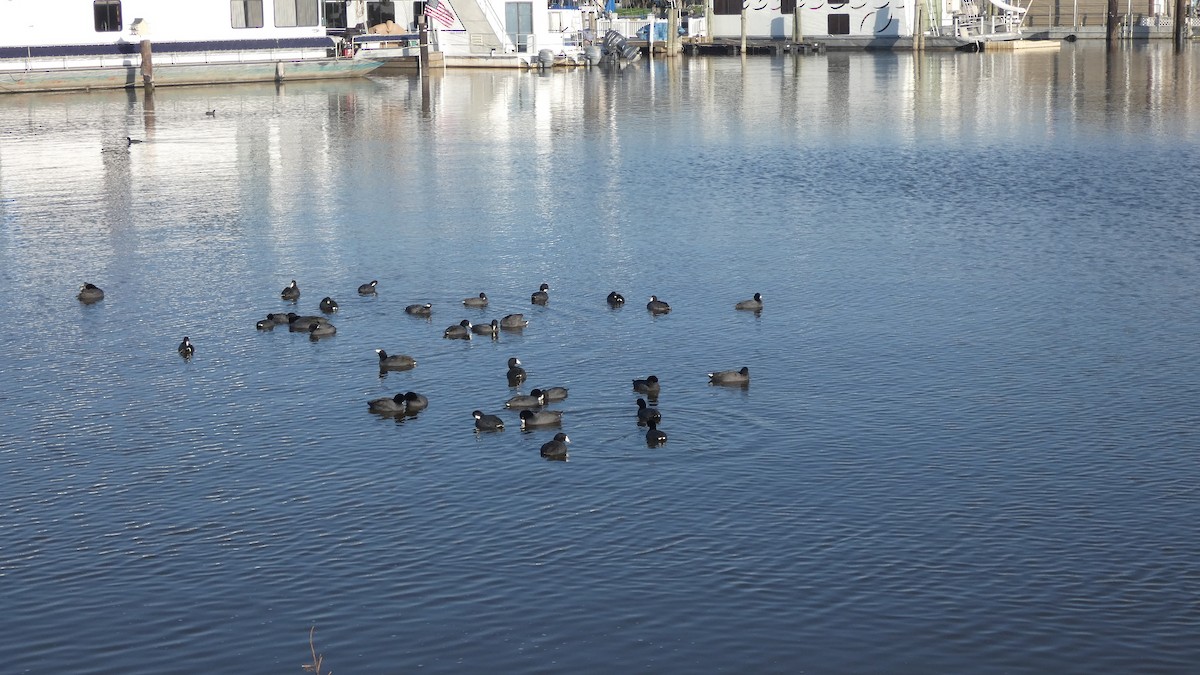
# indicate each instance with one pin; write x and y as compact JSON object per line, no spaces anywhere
{"x":732,"y":378}
{"x":291,"y":292}
{"x":540,"y":418}
{"x":317,"y":330}
{"x":459,"y":331}
{"x":647,"y":386}
{"x":89,"y":293}
{"x":554,"y":393}
{"x":265,"y":324}
{"x":387,"y":406}
{"x":211,"y":113}
{"x":646,"y":414}
{"x":654,"y":437}
{"x":480,"y":301}
{"x":532,"y":400}
{"x":279,"y":318}
{"x":368,"y":288}
{"x":186,"y":349}
{"x":328,"y":305}
{"x":557,"y":448}
{"x":301,"y":324}
{"x":419,"y":310}
{"x":487,"y":422}
{"x":540,"y":296}
{"x":129,"y":140}
{"x":657,"y":306}
{"x":414,"y":403}
{"x":490,"y":329}
{"x":753,"y":304}
{"x":615,"y":299}
{"x":513,"y":322}
{"x":515,"y":374}
{"x":395,"y":361}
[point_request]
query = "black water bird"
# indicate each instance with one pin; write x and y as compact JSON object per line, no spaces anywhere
{"x":395,"y":361}
{"x":459,"y":331}
{"x":646,"y":414}
{"x":317,"y":330}
{"x":753,"y":304}
{"x":540,"y":418}
{"x":487,"y":422}
{"x":540,"y":296}
{"x":290,"y":292}
{"x":513,"y":322}
{"x":419,"y":310}
{"x":328,"y":305}
{"x":557,"y":448}
{"x":731,"y":378}
{"x":648,"y":386}
{"x":655,"y":437}
{"x":490,"y":329}
{"x":533,"y":399}
{"x":414,"y":403}
{"x":554,"y":393}
{"x":186,"y":348}
{"x":657,"y":306}
{"x":480,"y":301}
{"x":615,"y":299}
{"x":515,"y":374}
{"x":368,"y":288}
{"x":89,"y":293}
{"x":394,"y":405}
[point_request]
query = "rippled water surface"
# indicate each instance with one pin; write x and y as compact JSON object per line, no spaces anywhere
{"x":969,"y":445}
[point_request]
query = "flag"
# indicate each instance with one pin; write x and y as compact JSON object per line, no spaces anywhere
{"x":441,"y":10}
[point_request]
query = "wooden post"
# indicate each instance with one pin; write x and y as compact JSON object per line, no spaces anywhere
{"x":743,"y":30}
{"x":797,"y":29}
{"x":147,"y":65}
{"x":1180,"y":23}
{"x":673,"y":30}
{"x":423,"y":34}
{"x":919,"y":26}
{"x":1114,"y":22}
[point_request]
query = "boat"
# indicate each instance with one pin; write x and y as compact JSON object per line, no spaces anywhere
{"x":113,"y":44}
{"x":472,"y":33}
{"x":878,"y":24}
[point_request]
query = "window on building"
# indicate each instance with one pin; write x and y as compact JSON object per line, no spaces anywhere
{"x":380,"y":12}
{"x":108,"y":15}
{"x":289,"y":13}
{"x":727,"y":7}
{"x":518,"y":23}
{"x":246,"y":13}
{"x":787,"y":7}
{"x":839,"y":24}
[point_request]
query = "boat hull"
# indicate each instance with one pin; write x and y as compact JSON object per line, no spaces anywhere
{"x":129,"y":75}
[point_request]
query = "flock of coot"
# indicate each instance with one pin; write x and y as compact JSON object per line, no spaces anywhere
{"x":532,"y":412}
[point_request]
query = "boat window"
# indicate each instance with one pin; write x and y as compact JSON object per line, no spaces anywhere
{"x":246,"y":13}
{"x":108,"y":15}
{"x":380,"y":12}
{"x":727,"y":7}
{"x":335,"y":14}
{"x":839,"y":24}
{"x":297,"y":13}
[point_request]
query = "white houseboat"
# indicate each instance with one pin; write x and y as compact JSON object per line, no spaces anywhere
{"x":872,"y":24}
{"x":85,"y":44}
{"x":470,"y":33}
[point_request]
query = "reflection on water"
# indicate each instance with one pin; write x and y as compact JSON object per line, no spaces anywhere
{"x":967,"y":445}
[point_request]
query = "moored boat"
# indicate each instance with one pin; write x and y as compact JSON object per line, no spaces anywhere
{"x":112,"y":44}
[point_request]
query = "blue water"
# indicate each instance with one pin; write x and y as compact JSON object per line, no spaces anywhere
{"x":969,"y":443}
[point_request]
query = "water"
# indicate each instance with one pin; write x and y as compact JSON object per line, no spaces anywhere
{"x":969,"y":444}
